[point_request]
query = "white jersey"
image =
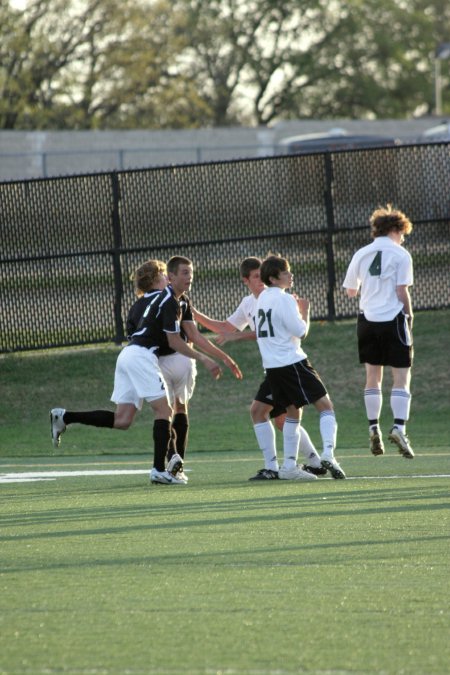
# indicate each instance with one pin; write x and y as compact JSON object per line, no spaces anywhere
{"x":279,"y":328}
{"x":244,"y":315}
{"x":378,"y":269}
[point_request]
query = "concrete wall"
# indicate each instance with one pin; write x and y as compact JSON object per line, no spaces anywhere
{"x":38,"y":154}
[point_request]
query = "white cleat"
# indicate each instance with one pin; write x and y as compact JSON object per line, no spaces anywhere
{"x":330,"y":463}
{"x":401,"y":440}
{"x":165,"y":478}
{"x":57,"y":425}
{"x":296,"y":473}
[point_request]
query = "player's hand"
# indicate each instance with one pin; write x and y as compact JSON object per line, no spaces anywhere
{"x":303,"y":305}
{"x":213,"y":367}
{"x":233,"y":366}
{"x":223,"y":338}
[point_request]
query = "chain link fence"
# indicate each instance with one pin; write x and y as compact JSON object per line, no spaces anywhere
{"x":70,"y":244}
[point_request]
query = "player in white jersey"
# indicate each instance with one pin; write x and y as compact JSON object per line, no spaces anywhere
{"x":263,"y":407}
{"x":383,"y":271}
{"x":281,"y":321}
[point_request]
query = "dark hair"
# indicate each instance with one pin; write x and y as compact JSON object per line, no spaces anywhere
{"x":271,"y":267}
{"x":248,"y":265}
{"x":174,"y":263}
{"x":386,"y":219}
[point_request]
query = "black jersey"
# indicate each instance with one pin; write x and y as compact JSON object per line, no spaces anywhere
{"x":137,"y":310}
{"x":164,"y":314}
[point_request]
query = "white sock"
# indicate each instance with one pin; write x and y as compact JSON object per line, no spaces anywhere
{"x":373,"y":400}
{"x":400,"y":405}
{"x":291,"y":439}
{"x":265,"y":435}
{"x":328,"y":431}
{"x":307,"y":449}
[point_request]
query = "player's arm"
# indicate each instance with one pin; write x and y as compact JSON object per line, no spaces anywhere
{"x":304,"y":309}
{"x":236,"y":336}
{"x":405,"y":297}
{"x":351,"y":292}
{"x":213,"y":325}
{"x":226,"y":331}
{"x":296,"y":325}
{"x":177,"y":343}
{"x":199,"y":340}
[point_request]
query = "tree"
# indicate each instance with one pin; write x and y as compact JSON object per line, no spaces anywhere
{"x":258,"y":61}
{"x":84,"y":64}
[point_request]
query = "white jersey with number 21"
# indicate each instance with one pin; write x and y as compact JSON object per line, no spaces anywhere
{"x":279,"y":328}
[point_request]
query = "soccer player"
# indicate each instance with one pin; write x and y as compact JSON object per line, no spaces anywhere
{"x":263,"y":407}
{"x":383,"y":272}
{"x":179,"y":371}
{"x":138,"y":376}
{"x":281,"y":322}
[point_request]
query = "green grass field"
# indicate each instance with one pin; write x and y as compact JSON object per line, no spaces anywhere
{"x":103,"y":574}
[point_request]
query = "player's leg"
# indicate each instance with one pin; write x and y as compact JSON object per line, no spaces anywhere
{"x":124,"y":396}
{"x":161,"y":440}
{"x":373,"y":401}
{"x":290,"y":470}
{"x":400,"y":406}
{"x":399,"y":350}
{"x":180,"y":375}
{"x":265,"y":436}
{"x":371,"y":338}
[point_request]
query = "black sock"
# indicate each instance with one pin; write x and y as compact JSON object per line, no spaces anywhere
{"x":161,"y":440}
{"x":172,"y":443}
{"x":94,"y":418}
{"x":181,"y":425}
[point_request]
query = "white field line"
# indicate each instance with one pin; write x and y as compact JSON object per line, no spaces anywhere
{"x":29,"y":476}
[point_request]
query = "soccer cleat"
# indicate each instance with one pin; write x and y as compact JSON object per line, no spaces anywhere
{"x":165,"y":478}
{"x":182,"y":476}
{"x":175,"y":464}
{"x":57,"y":426}
{"x":401,"y":440}
{"x":330,"y":463}
{"x":376,"y":442}
{"x":316,"y":470}
{"x":265,"y":474}
{"x":296,"y":473}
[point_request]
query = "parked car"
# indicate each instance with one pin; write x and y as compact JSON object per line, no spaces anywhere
{"x":441,"y":132}
{"x":335,"y":139}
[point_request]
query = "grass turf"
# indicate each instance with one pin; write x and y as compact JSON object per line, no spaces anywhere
{"x":80,"y":379}
{"x":106,"y":575}
{"x":109,"y":575}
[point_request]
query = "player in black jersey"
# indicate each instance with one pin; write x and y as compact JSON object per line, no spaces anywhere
{"x":138,"y":376}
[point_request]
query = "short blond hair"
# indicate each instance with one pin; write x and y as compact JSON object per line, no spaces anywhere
{"x":146,"y":276}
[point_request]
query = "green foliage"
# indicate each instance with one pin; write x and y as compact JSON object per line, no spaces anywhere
{"x":80,"y":64}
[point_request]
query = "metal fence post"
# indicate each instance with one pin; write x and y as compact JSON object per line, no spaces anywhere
{"x":118,"y":284}
{"x":330,"y":232}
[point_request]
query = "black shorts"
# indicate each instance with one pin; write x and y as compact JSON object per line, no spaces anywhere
{"x":264,"y":395}
{"x":385,"y":343}
{"x":298,"y":384}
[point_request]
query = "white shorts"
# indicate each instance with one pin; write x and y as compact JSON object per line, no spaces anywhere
{"x":138,"y":377}
{"x":179,"y":374}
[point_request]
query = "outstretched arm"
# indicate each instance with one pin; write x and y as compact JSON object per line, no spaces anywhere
{"x":177,"y":343}
{"x":194,"y":336}
{"x":212,"y":324}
